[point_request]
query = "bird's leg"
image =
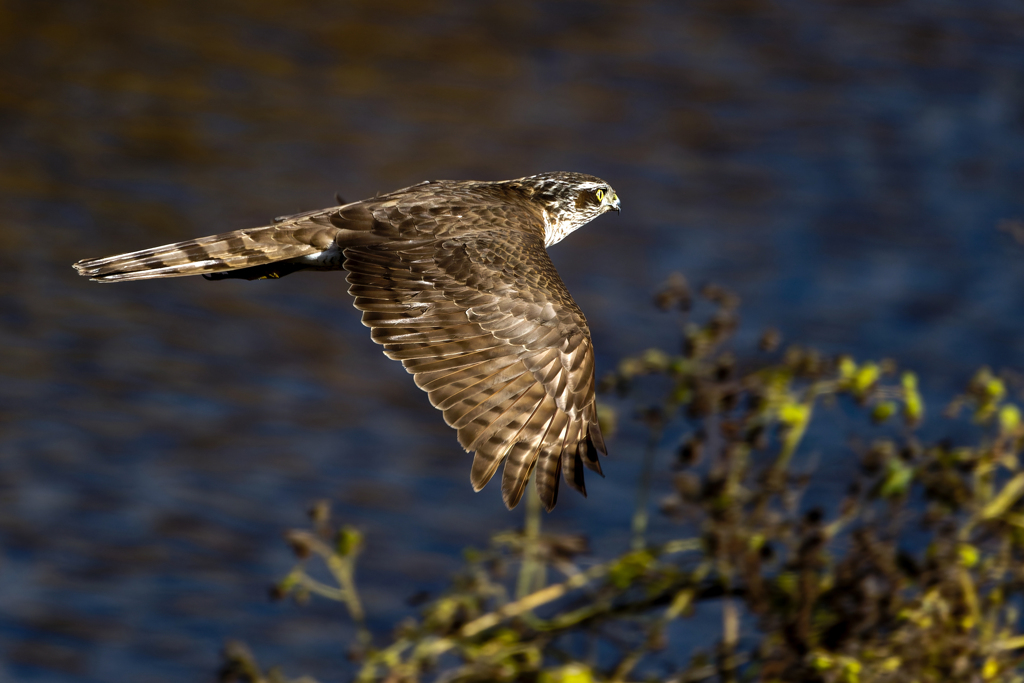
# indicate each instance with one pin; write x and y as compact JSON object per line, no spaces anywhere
{"x":267,"y":271}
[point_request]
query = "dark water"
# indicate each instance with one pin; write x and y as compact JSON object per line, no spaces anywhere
{"x":843,"y":166}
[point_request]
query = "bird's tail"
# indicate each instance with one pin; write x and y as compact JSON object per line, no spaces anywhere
{"x":214,"y":254}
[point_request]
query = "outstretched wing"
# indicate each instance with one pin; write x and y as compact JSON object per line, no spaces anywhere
{"x":490,"y":332}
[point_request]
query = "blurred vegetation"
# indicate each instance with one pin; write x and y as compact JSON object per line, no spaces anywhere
{"x":914,"y":575}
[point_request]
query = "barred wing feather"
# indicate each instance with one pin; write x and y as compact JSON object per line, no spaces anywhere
{"x":490,"y":332}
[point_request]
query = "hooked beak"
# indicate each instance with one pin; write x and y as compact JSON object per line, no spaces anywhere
{"x":613,"y":202}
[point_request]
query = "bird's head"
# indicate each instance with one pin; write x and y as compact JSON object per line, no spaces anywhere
{"x":570,"y":200}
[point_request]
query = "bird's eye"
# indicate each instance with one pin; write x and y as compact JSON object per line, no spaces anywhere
{"x":600,"y":195}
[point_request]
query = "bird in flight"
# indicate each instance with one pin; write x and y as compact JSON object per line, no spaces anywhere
{"x":454,"y":280}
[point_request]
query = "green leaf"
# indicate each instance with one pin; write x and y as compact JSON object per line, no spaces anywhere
{"x":969,"y":555}
{"x":629,"y":567}
{"x":793,"y":413}
{"x":350,"y":540}
{"x":898,"y":477}
{"x":570,"y":673}
{"x":865,"y":378}
{"x":883,"y":411}
{"x":1009,"y":419}
{"x":913,"y":404}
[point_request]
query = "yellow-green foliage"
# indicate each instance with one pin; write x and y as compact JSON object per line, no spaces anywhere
{"x":913,"y":576}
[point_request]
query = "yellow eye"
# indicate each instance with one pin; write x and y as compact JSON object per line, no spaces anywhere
{"x":600,"y":195}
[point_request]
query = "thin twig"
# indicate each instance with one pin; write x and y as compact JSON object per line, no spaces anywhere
{"x":555,"y":591}
{"x":531,"y":569}
{"x":640,"y":513}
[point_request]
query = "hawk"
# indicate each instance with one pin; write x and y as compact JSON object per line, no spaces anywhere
{"x":454,"y":280}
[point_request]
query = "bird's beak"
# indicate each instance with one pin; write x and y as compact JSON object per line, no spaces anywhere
{"x":614,"y":203}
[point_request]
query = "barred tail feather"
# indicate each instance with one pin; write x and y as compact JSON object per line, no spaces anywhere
{"x":213,"y":254}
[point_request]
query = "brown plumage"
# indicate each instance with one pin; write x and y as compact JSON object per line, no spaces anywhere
{"x":454,"y":281}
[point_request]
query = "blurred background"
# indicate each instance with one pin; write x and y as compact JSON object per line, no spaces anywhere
{"x":853,"y":170}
